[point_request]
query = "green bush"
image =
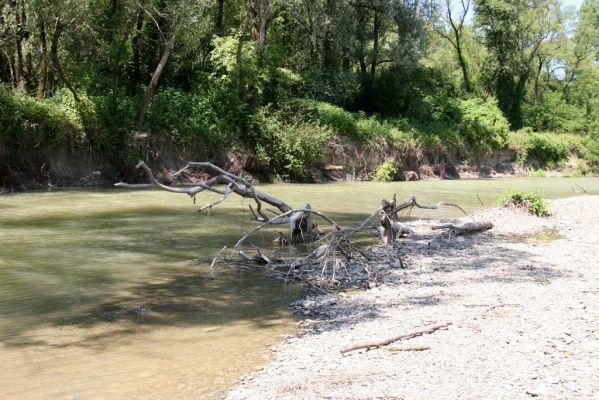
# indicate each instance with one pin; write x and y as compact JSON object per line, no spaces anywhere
{"x":386,"y":172}
{"x":591,"y":154}
{"x":192,"y":117}
{"x":553,"y":113}
{"x":22,"y":116}
{"x":289,"y":147}
{"x":529,"y":201}
{"x":482,"y":123}
{"x":354,"y":125}
{"x":336,"y":118}
{"x":537,"y":173}
{"x":547,"y":149}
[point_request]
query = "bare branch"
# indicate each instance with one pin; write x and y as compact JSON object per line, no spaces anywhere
{"x":217,"y":202}
{"x":279,"y":218}
{"x":238,"y":185}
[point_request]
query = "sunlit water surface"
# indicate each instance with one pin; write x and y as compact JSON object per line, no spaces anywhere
{"x":108,"y":294}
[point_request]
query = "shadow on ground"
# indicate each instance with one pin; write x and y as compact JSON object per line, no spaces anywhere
{"x":479,"y":258}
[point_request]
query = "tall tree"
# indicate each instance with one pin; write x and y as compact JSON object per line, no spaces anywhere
{"x":453,"y":31}
{"x":514,"y":33}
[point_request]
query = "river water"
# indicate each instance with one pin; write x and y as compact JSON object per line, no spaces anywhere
{"x":108,"y":294}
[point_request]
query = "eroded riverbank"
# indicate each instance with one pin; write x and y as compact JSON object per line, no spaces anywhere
{"x":525,"y":314}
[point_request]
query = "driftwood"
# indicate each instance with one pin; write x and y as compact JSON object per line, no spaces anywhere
{"x":300,"y":221}
{"x":333,"y":261}
{"x":379,"y":343}
{"x":466,"y":226}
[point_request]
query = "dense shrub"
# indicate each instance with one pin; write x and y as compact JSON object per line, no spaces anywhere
{"x":207,"y":117}
{"x":547,"y":149}
{"x":591,"y":154}
{"x":482,"y":123}
{"x":555,"y":114}
{"x":386,"y":172}
{"x":21,"y":115}
{"x":354,"y":125}
{"x":530,"y":201}
{"x":289,"y":147}
{"x":340,"y":121}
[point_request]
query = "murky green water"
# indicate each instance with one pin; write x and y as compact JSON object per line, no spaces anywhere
{"x":102,"y":296}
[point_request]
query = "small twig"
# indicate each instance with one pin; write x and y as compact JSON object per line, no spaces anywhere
{"x":480,"y":201}
{"x":379,"y":343}
{"x":217,"y":202}
{"x":410,"y":348}
{"x":582,"y":190}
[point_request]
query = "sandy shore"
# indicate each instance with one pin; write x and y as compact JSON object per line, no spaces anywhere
{"x":524,"y":313}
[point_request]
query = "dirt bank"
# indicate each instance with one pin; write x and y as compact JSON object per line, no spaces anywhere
{"x":525,"y":314}
{"x":73,"y":162}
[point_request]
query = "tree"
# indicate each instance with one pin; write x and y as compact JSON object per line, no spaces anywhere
{"x":453,"y":21}
{"x":513,"y":33}
{"x":585,"y":44}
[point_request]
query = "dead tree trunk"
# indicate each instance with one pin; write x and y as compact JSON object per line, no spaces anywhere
{"x":302,"y":226}
{"x":335,"y":251}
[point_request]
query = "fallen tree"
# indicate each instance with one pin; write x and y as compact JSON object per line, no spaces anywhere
{"x":334,"y":259}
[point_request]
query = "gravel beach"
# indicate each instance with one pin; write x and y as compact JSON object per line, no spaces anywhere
{"x":522,"y":299}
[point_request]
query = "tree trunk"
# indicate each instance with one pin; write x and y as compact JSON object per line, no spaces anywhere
{"x":10,"y":59}
{"x":537,"y":77}
{"x":375,"y":44}
{"x":56,"y":61}
{"x":20,"y":62}
{"x":43,"y":69}
{"x":219,"y":26}
{"x":462,"y":62}
{"x":262,"y":11}
{"x":136,"y":43}
{"x":156,"y":76}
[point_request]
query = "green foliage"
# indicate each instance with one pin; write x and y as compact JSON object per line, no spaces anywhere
{"x":23,"y":118}
{"x":591,"y":154}
{"x":374,"y":71}
{"x":546,"y":149}
{"x":529,"y":201}
{"x":555,"y":114}
{"x":191,"y":117}
{"x":386,"y":172}
{"x":340,"y":121}
{"x":483,"y":124}
{"x":537,"y":173}
{"x":288,"y":146}
{"x":518,"y":142}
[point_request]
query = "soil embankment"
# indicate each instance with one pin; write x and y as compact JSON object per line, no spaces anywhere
{"x":523,"y":300}
{"x":36,"y":164}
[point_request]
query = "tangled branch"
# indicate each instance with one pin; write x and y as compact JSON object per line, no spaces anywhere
{"x":334,"y":260}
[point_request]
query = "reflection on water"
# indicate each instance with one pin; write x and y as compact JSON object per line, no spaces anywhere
{"x":108,"y":294}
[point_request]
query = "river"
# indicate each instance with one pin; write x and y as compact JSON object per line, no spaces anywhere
{"x":108,"y":294}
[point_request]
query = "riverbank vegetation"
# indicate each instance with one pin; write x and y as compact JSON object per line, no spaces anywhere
{"x":276,"y":80}
{"x":531,"y":202}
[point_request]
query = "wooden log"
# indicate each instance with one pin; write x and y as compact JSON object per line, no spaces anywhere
{"x":466,"y":226}
{"x":379,"y":343}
